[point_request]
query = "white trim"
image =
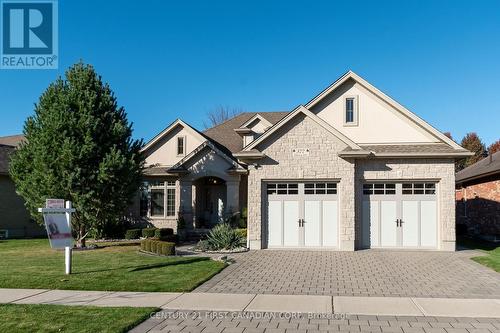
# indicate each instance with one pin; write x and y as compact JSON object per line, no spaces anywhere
{"x":419,"y":121}
{"x":167,"y":130}
{"x":257,"y":116}
{"x":306,"y":112}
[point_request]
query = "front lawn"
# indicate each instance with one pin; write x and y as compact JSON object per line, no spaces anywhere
{"x":33,"y":264}
{"x":75,"y":319}
{"x":492,"y":251}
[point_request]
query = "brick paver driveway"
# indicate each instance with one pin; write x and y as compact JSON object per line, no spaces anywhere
{"x":360,"y":273}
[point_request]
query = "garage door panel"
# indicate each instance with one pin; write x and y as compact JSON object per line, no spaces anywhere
{"x":388,"y":231}
{"x":371,"y":233}
{"x":312,"y":216}
{"x":275,"y":224}
{"x":290,"y":223}
{"x":410,"y":212}
{"x":330,"y":223}
{"x":428,"y":213}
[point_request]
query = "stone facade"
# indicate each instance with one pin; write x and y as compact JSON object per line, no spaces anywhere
{"x":440,"y":170}
{"x":321,"y":163}
{"x":478,"y":207}
{"x":324,"y":163}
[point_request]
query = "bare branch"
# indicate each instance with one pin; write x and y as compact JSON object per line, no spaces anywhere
{"x":220,"y":114}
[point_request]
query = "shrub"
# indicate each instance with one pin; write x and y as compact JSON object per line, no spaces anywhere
{"x":163,"y":232}
{"x":148,"y":232}
{"x":242,"y":232}
{"x":132,"y":233}
{"x":158,"y":247}
{"x":223,"y":237}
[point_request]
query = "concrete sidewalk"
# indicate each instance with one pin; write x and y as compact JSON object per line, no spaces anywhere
{"x":378,"y":306}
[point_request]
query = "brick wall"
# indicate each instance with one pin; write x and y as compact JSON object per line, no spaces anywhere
{"x":478,"y":208}
{"x":321,"y":163}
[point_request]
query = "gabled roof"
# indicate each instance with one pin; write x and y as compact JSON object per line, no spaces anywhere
{"x":302,"y":110}
{"x":257,"y":116}
{"x":407,"y":113}
{"x":225,"y":135}
{"x":179,"y":166}
{"x":167,"y":130}
{"x":488,"y":166}
{"x":12,"y":140}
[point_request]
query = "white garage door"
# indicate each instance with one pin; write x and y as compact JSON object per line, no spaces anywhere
{"x":302,"y":214}
{"x":399,"y":215}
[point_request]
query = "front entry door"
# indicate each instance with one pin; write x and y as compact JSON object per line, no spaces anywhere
{"x":302,"y":214}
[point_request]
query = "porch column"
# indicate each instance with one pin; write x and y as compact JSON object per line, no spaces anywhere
{"x":186,"y":202}
{"x":233,"y":196}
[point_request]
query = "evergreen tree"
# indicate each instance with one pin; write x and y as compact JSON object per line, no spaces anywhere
{"x":471,"y":142}
{"x":79,"y":147}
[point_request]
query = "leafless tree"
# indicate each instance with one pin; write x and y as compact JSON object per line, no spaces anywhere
{"x":221,"y":114}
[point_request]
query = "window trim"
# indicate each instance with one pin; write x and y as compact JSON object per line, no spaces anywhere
{"x":164,"y":185}
{"x":183,"y":146}
{"x":355,"y":116}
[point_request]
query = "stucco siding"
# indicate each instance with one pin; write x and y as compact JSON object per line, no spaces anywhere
{"x":378,"y":122}
{"x":281,"y":164}
{"x":440,"y":170}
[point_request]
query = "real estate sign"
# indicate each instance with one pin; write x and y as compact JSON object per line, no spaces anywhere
{"x":58,"y":223}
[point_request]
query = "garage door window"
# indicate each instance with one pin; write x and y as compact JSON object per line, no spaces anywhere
{"x":283,"y":188}
{"x":379,"y":188}
{"x":419,"y":188}
{"x":320,"y":188}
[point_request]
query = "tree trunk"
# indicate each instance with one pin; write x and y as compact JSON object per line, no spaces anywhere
{"x":80,"y":242}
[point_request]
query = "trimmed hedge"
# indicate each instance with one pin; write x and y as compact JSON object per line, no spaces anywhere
{"x":158,"y":247}
{"x":163,"y":232}
{"x":133,"y":234}
{"x":149,"y":232}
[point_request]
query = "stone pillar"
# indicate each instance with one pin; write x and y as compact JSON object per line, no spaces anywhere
{"x":233,"y":196}
{"x":186,"y":202}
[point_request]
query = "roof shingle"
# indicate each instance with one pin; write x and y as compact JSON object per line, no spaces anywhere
{"x":225,"y":135}
{"x":485,"y":167}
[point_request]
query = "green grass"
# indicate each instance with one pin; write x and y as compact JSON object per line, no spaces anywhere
{"x":33,"y":264}
{"x":492,"y":251}
{"x":75,"y":319}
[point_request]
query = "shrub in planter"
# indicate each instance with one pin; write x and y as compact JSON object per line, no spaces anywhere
{"x":148,"y":232}
{"x":223,"y":237}
{"x":154,"y":244}
{"x":132,"y":233}
{"x":163,"y":232}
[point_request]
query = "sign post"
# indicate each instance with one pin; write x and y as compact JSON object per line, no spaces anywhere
{"x":57,"y":217}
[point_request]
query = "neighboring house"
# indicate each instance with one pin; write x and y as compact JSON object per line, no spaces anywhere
{"x":15,"y":220}
{"x":478,"y":198}
{"x":350,"y":169}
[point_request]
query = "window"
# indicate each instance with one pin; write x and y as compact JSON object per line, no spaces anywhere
{"x":419,"y":188}
{"x":157,"y":199}
{"x":320,"y":188}
{"x":180,"y":145}
{"x":283,"y":188}
{"x":170,"y":198}
{"x":351,"y":111}
{"x":379,"y":188}
{"x":157,"y":202}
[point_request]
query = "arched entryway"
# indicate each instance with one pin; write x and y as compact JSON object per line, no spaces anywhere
{"x":210,"y":201}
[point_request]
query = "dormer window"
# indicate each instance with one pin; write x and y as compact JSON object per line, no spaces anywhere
{"x":181,"y":145}
{"x":351,"y":111}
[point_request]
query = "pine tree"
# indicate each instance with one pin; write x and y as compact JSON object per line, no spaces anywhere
{"x":471,"y":142}
{"x":79,"y":147}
